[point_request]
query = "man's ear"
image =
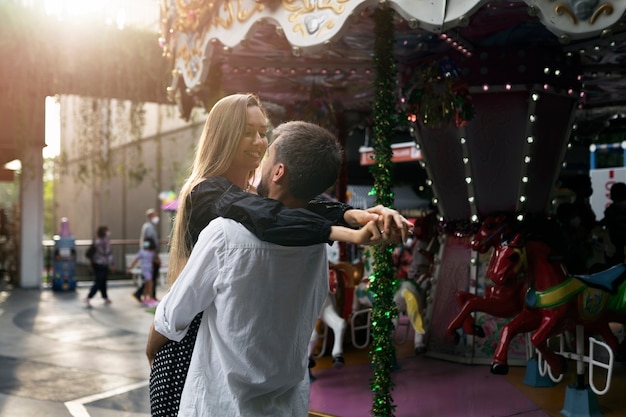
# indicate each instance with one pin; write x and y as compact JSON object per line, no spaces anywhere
{"x":279,"y":173}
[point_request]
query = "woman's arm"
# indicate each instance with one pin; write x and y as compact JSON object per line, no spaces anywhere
{"x":155,"y":342}
{"x":367,"y":235}
{"x":334,"y":211}
{"x":268,"y":219}
{"x":271,"y":221}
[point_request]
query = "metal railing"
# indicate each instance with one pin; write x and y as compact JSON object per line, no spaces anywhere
{"x":120,"y":248}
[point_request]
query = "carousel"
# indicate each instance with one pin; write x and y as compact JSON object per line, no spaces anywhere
{"x":492,"y":95}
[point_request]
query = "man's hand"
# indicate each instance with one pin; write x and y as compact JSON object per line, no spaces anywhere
{"x":389,"y":221}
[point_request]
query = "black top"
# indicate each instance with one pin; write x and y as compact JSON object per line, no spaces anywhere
{"x":266,"y":218}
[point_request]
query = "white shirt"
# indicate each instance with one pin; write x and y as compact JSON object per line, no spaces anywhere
{"x":260,"y":304}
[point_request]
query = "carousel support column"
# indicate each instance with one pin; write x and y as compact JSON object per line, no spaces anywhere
{"x":31,"y":198}
{"x":580,"y":400}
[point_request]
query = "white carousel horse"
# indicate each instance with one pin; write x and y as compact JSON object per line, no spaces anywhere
{"x":407,"y":297}
{"x":332,"y":319}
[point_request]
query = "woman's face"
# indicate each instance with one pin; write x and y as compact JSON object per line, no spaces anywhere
{"x":253,"y":143}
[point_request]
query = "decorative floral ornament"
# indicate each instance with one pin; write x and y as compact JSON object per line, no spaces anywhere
{"x":437,"y":96}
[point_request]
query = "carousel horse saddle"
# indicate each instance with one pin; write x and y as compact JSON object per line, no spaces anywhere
{"x":592,"y":286}
{"x":608,"y":280}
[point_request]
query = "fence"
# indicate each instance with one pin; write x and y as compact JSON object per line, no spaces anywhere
{"x":120,"y":248}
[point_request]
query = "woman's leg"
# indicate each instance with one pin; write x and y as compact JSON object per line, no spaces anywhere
{"x":155,"y":276}
{"x":100,"y":273}
{"x":103,"y":284}
{"x":94,"y":287}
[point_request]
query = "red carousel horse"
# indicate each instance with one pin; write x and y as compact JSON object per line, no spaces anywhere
{"x":555,"y":301}
{"x":502,"y":300}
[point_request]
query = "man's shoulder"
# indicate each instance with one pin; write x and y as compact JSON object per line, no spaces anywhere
{"x":221,"y":226}
{"x":228,"y":226}
{"x":148,"y":226}
{"x":236,"y":235}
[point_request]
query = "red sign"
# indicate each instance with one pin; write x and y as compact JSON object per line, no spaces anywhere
{"x":402,"y":152}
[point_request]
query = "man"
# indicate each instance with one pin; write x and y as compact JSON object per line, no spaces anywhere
{"x":260,"y":300}
{"x":149,"y":231}
{"x":149,"y":228}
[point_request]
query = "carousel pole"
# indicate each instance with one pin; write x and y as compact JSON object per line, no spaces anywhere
{"x":342,"y":182}
{"x":580,"y":400}
{"x":382,"y":353}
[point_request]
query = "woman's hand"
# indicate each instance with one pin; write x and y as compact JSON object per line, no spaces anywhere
{"x":391,"y":221}
{"x":370,"y":234}
{"x":388,"y":220}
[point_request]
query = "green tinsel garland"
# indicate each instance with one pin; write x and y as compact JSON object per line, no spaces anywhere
{"x":382,"y":353}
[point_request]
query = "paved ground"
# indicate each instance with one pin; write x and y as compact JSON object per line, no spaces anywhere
{"x":59,"y":358}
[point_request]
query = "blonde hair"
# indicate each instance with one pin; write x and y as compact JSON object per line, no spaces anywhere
{"x":224,"y":127}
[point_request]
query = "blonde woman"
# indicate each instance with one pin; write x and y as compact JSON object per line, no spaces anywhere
{"x":230,"y":149}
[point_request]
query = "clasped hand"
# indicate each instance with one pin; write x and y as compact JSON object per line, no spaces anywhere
{"x":379,"y":224}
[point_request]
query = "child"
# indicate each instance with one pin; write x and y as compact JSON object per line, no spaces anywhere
{"x":147,"y":256}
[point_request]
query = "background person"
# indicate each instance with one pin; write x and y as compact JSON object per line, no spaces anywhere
{"x":239,"y":366}
{"x":148,"y":256}
{"x":149,"y":231}
{"x":102,"y":263}
{"x":615,"y":222}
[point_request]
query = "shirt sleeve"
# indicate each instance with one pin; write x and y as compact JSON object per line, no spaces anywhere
{"x":194,"y":289}
{"x":266,"y":218}
{"x":331,"y":210}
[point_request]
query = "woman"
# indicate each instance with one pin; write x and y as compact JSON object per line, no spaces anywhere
{"x":102,"y":262}
{"x":230,"y":149}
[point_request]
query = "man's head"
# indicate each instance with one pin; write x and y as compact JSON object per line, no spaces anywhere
{"x":152,"y":215}
{"x":303,"y":161}
{"x":618,"y":192}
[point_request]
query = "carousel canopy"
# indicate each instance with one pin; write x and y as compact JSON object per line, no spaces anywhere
{"x":529,"y":73}
{"x":294,"y":53}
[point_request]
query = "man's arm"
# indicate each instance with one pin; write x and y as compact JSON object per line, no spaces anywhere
{"x":191,"y":293}
{"x":155,"y":342}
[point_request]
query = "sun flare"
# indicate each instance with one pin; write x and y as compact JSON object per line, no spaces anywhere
{"x":79,"y":11}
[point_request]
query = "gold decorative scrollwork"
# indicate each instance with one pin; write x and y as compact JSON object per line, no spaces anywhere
{"x":299,"y":8}
{"x":563,"y":9}
{"x":196,"y":15}
{"x":605,"y":8}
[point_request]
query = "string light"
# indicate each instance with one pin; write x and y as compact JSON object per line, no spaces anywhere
{"x":457,"y":43}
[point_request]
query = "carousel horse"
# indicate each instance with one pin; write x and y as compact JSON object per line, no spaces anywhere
{"x":555,"y":301}
{"x":500,"y":301}
{"x":332,"y":319}
{"x":343,"y":278}
{"x":406,"y":296}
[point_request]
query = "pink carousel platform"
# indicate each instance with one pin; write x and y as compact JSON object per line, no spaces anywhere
{"x":430,"y":387}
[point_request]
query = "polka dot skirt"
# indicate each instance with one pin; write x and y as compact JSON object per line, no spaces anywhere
{"x":169,"y":372}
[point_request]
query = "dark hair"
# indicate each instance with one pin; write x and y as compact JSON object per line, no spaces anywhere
{"x":312,"y":156}
{"x":618,"y":192}
{"x":102,"y":231}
